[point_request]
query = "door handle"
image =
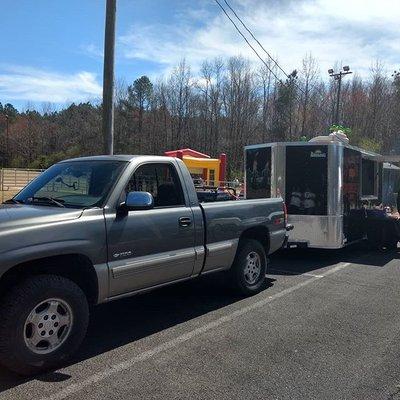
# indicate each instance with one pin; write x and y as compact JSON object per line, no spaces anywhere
{"x":185,"y":221}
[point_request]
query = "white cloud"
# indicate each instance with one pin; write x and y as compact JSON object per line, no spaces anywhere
{"x":30,"y":84}
{"x":93,"y":51}
{"x":356,"y":32}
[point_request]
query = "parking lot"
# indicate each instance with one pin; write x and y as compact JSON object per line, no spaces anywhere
{"x":326,"y":327}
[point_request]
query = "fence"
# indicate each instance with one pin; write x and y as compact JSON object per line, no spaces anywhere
{"x":12,"y":180}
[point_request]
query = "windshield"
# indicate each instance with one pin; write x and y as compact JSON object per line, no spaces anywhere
{"x":77,"y":184}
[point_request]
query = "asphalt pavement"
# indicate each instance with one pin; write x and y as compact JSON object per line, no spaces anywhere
{"x":326,"y":327}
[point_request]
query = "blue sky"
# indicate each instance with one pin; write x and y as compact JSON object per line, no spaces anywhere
{"x":61,"y":41}
{"x":51,"y":50}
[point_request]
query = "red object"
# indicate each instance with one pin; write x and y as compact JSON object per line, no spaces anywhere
{"x":179,"y":154}
{"x":285,"y":212}
{"x":222,"y":167}
{"x":186,"y":152}
{"x":278,"y":221}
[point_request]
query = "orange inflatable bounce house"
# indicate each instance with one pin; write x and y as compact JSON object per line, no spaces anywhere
{"x":201,"y":166}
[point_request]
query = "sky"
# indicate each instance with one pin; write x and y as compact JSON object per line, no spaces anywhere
{"x":51,"y":50}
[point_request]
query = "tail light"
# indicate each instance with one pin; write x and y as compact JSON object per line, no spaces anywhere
{"x":279,"y":221}
{"x":285,"y":212}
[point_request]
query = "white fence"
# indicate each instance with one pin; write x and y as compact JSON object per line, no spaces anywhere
{"x":12,"y":180}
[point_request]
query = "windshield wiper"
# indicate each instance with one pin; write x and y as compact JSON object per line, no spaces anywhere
{"x":13,"y":201}
{"x":52,"y":200}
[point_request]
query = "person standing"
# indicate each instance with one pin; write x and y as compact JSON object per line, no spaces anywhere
{"x":309,"y":202}
{"x":295,"y":201}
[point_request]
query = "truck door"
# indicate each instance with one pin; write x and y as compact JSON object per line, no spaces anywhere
{"x":151,"y":247}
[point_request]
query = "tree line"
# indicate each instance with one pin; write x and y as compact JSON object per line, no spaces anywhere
{"x":229,"y":104}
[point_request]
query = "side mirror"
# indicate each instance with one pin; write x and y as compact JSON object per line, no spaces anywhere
{"x":138,"y":201}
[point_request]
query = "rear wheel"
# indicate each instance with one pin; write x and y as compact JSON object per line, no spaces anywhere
{"x":43,"y":320}
{"x":248,"y":271}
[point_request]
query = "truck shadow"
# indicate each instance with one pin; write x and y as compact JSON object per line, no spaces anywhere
{"x":127,"y":320}
{"x":300,"y":261}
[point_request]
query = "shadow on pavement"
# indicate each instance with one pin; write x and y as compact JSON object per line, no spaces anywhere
{"x":124,"y":321}
{"x":300,"y":261}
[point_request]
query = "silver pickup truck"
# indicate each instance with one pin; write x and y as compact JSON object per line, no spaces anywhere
{"x":95,"y":229}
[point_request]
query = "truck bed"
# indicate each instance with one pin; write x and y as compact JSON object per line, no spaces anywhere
{"x":225,"y":222}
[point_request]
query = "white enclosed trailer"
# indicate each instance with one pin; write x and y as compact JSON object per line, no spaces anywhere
{"x":326,"y":187}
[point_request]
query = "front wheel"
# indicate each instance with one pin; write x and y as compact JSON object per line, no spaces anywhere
{"x":43,"y":320}
{"x":248,"y":270}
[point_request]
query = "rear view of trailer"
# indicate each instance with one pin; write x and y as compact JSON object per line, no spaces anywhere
{"x":324,"y":186}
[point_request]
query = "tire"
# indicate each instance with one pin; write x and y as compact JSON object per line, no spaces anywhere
{"x":392,"y":244}
{"x":249,"y":250}
{"x":382,"y":246}
{"x":23,"y":322}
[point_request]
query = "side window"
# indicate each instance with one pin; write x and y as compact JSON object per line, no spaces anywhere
{"x":161,"y":181}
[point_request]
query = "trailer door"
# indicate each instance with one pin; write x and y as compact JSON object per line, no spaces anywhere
{"x":307,"y":179}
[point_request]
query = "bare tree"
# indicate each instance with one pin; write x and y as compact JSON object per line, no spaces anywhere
{"x":229,"y":104}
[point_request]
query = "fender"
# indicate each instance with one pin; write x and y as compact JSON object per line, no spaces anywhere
{"x":30,"y":253}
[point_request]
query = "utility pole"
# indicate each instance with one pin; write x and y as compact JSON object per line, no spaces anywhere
{"x":338,"y":77}
{"x":108,"y":78}
{"x":7,"y":138}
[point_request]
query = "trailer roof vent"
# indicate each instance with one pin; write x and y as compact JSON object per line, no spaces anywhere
{"x":337,"y":136}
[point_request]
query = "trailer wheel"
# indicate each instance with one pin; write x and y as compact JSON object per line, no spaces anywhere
{"x":247,"y":274}
{"x":389,"y":245}
{"x":392,"y":245}
{"x":43,"y":321}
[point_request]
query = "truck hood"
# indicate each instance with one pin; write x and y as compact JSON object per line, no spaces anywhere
{"x":14,"y":216}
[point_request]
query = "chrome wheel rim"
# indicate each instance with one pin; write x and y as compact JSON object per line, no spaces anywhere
{"x":252,"y":269}
{"x":48,"y":326}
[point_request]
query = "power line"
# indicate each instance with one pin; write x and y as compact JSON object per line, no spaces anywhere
{"x":261,"y":59}
{"x":258,"y":42}
{"x":268,"y":54}
{"x":245,"y":38}
{"x":249,"y":44}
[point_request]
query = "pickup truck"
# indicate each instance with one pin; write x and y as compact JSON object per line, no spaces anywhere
{"x":95,"y":229}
